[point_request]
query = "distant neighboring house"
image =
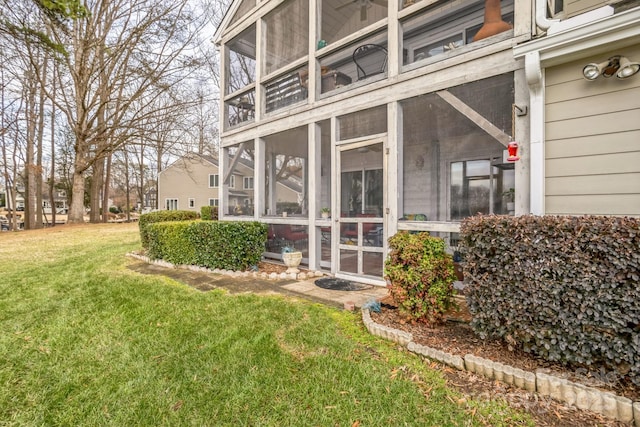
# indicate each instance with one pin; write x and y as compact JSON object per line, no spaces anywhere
{"x":189,"y":183}
{"x":193,"y":181}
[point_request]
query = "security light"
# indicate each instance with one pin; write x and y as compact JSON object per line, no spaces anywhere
{"x":617,"y":65}
{"x":627,"y":68}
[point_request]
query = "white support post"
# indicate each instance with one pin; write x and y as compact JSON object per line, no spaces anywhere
{"x":536,"y":138}
{"x":315,"y":188}
{"x":335,"y":198}
{"x":259,"y":178}
{"x":394,"y":193}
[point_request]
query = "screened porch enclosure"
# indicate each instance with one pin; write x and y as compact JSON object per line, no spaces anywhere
{"x":453,"y":148}
{"x":349,"y":49}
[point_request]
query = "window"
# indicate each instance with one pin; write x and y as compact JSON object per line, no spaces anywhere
{"x":478,"y":187}
{"x":232,"y":181}
{"x":171,"y":204}
{"x":248,"y":183}
{"x":214,"y":181}
{"x":214,"y":202}
{"x":192,"y":203}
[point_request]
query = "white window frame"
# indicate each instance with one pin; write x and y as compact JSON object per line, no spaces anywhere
{"x":214,"y":202}
{"x":246,"y":181}
{"x":232,"y":181}
{"x":214,"y":179}
{"x":192,"y":202}
{"x":172,"y":201}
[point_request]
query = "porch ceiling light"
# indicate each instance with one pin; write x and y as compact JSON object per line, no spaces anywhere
{"x":617,"y":65}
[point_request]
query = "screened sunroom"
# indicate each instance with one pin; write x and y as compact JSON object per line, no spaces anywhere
{"x":387,"y":115}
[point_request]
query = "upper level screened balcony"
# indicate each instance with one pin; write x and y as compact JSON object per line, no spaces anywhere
{"x":349,"y":48}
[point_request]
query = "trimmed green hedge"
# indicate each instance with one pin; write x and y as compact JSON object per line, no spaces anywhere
{"x":209,"y":213}
{"x":563,"y":288}
{"x":161,"y":216}
{"x":213,"y":244}
{"x":420,"y":275}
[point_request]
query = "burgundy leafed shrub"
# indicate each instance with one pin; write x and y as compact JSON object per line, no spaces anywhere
{"x":564,"y":288}
{"x":420,"y":276}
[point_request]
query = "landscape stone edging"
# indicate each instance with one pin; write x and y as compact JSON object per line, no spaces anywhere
{"x":583,"y":397}
{"x":231,"y":273}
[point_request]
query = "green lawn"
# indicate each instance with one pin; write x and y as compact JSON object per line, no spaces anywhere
{"x":86,"y":342}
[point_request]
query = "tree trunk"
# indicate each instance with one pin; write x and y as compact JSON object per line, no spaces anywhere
{"x":76,"y":210}
{"x":95,"y":192}
{"x":52,"y":173}
{"x":30,"y":188}
{"x":40,"y":145}
{"x":105,"y":191}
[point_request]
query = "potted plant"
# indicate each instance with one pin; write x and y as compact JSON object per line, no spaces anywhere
{"x":325,"y":212}
{"x":291,"y":258}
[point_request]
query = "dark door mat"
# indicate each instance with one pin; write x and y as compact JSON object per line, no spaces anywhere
{"x":341,"y":284}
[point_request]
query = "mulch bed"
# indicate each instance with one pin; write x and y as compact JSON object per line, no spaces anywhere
{"x":456,"y":337}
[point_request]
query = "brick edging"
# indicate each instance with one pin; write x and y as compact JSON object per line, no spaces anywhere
{"x":583,"y":397}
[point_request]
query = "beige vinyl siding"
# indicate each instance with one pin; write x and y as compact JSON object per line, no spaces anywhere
{"x":576,"y":7}
{"x":592,"y":141}
{"x":187,"y":178}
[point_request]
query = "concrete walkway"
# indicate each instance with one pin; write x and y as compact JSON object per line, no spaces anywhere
{"x":306,"y":289}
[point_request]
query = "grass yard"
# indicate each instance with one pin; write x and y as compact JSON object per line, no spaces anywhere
{"x":86,"y":342}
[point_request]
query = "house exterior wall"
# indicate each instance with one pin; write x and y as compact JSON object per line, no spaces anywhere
{"x":187,"y":178}
{"x":592,"y":156}
{"x":584,"y":133}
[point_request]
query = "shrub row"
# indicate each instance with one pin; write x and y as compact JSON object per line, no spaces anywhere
{"x":161,"y":216}
{"x":563,"y":288}
{"x":212,"y":244}
{"x":420,"y":276}
{"x":209,"y":212}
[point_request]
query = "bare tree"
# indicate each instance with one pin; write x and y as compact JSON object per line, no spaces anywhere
{"x":123,"y":53}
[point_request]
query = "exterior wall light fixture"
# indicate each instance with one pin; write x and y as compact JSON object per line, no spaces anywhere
{"x":617,"y":65}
